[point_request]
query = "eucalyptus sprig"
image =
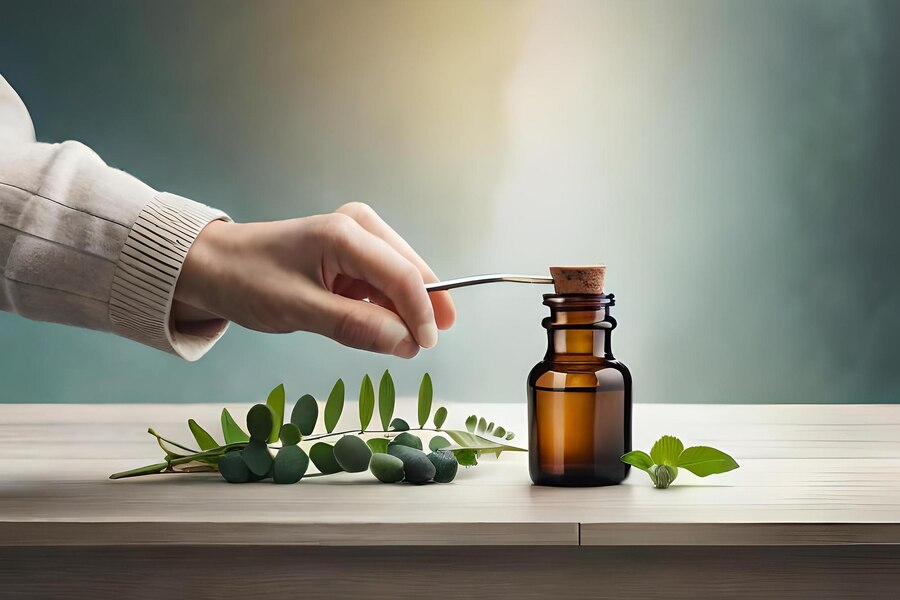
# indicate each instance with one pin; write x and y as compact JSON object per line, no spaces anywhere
{"x":392,"y":454}
{"x":669,"y":454}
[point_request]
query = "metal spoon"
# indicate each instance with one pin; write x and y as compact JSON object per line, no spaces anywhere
{"x":479,"y":279}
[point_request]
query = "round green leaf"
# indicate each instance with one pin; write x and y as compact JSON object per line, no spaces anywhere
{"x":378,"y":445}
{"x":500,"y":432}
{"x":257,"y":456}
{"x":416,"y":465}
{"x":259,"y":421}
{"x":482,"y":425}
{"x":407,"y":439}
{"x":305,"y":414}
{"x":322,"y":456}
{"x":467,"y":458}
{"x":438,"y":442}
{"x":387,"y":468}
{"x":398,"y":424}
{"x":440,"y":415}
{"x":233,"y":468}
{"x":471,"y":422}
{"x":291,"y":463}
{"x":255,"y":477}
{"x":290,"y":434}
{"x":352,"y":454}
{"x":445,"y":465}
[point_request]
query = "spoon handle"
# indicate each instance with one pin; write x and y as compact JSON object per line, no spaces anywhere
{"x":479,"y":279}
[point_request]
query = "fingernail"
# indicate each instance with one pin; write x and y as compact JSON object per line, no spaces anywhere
{"x":427,"y":335}
{"x":407,"y":348}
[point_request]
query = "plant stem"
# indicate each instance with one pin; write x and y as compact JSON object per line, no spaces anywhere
{"x":322,"y":436}
{"x":176,"y":444}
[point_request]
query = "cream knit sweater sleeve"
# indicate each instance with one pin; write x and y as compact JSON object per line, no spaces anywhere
{"x":84,"y":244}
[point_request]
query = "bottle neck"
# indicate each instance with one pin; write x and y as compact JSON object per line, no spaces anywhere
{"x":579,"y":329}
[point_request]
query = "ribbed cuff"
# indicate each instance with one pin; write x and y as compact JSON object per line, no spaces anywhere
{"x":143,"y":286}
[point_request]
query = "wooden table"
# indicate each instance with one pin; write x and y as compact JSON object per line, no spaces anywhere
{"x":814,"y":511}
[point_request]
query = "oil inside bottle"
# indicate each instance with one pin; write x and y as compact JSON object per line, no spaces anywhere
{"x":579,"y":397}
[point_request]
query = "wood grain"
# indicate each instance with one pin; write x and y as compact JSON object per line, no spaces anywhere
{"x":521,"y":572}
{"x":810,"y":475}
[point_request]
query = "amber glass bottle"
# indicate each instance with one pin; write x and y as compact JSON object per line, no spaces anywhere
{"x":579,"y":397}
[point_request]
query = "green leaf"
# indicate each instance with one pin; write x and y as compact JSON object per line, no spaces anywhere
{"x":500,"y":432}
{"x":510,"y":435}
{"x":291,"y":463}
{"x":426,"y":394}
{"x":408,"y":439}
{"x":386,"y":396}
{"x":352,"y":454}
{"x":305,"y":414}
{"x":233,"y":468}
{"x":378,"y":445}
{"x":438,"y":442}
{"x":334,"y":406}
{"x":639,"y":459}
{"x":471,"y":422}
{"x":482,"y":425}
{"x":440,"y":415}
{"x":398,"y":424}
{"x":366,"y":402}
{"x":471,"y":441}
{"x":204,"y":440}
{"x":387,"y":468}
{"x":257,"y":456}
{"x":445,"y":466}
{"x":466,"y":458}
{"x":490,"y":427}
{"x":259,"y":421}
{"x":703,"y":461}
{"x":231,"y":430}
{"x":322,"y":456}
{"x":666,"y":451}
{"x":148,"y":470}
{"x":290,"y":434}
{"x":275,"y":401}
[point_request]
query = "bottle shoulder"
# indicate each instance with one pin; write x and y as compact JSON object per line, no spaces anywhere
{"x":605,"y":373}
{"x":570,"y":366}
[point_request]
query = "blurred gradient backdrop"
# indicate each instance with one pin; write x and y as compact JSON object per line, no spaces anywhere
{"x":735,"y":164}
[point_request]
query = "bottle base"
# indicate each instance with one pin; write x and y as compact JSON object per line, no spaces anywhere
{"x":570,"y":481}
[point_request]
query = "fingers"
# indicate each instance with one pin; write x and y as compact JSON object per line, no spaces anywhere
{"x":368,"y":219}
{"x":360,"y":290}
{"x":360,"y":255}
{"x":361,"y":325}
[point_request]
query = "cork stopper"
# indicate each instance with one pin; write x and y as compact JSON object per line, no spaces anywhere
{"x":579,"y":280}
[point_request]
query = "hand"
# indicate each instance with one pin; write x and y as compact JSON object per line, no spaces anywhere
{"x":346,"y":275}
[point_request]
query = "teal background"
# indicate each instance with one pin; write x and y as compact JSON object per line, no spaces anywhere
{"x":734,"y":163}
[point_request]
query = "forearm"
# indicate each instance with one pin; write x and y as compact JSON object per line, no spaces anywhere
{"x":87,"y":245}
